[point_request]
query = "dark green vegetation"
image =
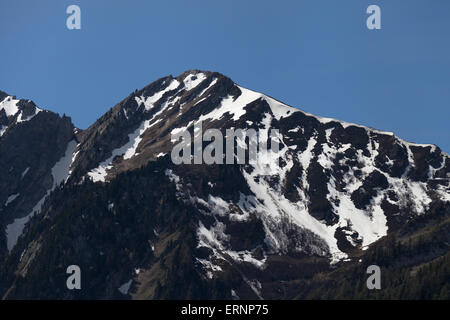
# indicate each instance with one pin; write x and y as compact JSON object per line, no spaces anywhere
{"x":106,"y":243}
{"x":149,"y":229}
{"x":414,"y":262}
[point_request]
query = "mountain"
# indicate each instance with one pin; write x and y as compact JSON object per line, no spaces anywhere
{"x":110,"y":199}
{"x":33,"y":143}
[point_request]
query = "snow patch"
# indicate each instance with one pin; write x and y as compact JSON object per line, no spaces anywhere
{"x":9,"y":104}
{"x":60,"y":172}
{"x":11,"y":198}
{"x":279,"y":109}
{"x":24,"y":173}
{"x":61,"y":169}
{"x":125,"y":287}
{"x":150,"y":101}
{"x":193,"y":80}
{"x":209,"y":86}
{"x":233,"y":107}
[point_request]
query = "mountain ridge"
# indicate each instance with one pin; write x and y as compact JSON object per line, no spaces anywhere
{"x":337,"y":192}
{"x":325,"y":119}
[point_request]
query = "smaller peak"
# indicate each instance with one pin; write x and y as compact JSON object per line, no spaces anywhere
{"x":9,"y":105}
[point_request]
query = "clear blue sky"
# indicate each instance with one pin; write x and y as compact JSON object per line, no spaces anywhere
{"x":317,"y":55}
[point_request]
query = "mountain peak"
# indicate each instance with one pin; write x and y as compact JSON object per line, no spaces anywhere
{"x":13,"y":110}
{"x":336,"y":190}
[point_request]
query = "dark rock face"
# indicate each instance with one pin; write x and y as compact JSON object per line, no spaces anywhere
{"x":374,"y":182}
{"x":126,"y":212}
{"x":28,"y":152}
{"x":319,"y":206}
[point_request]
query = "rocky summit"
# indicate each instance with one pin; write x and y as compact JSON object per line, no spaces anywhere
{"x":110,"y":200}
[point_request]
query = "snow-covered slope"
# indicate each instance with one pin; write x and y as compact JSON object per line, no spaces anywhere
{"x":60,"y":173}
{"x":32,"y":146}
{"x":338,"y":185}
{"x":335,"y":190}
{"x":13,"y":111}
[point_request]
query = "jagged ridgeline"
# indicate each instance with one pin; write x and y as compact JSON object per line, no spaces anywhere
{"x":110,"y":200}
